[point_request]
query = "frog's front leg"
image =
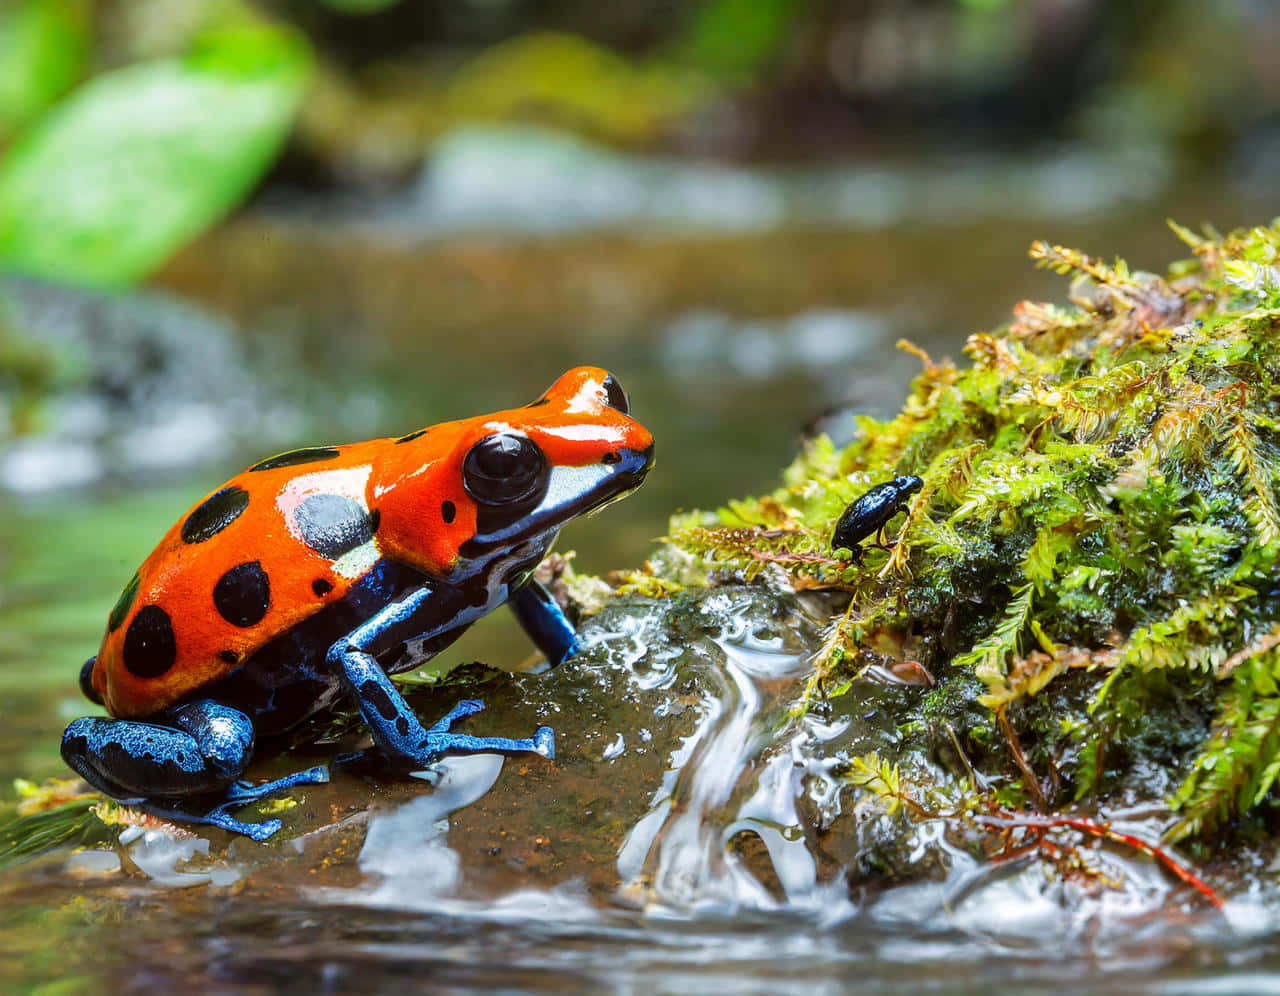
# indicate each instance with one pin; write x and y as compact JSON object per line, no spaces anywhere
{"x":395,"y":727}
{"x":193,"y":751}
{"x":544,"y":622}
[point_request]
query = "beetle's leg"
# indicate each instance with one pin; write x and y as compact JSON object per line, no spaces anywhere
{"x":395,"y":728}
{"x":544,"y":622}
{"x":193,"y":750}
{"x":880,"y":544}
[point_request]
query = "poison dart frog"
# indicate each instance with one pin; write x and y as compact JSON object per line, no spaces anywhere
{"x":871,"y":512}
{"x":300,"y":582}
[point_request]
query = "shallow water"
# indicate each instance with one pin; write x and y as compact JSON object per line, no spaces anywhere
{"x":667,"y":852}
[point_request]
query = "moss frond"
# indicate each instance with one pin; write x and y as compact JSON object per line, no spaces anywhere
{"x":1241,"y":759}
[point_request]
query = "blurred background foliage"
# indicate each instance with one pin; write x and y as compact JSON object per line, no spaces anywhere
{"x":317,"y":218}
{"x":129,"y":126}
{"x":235,"y":224}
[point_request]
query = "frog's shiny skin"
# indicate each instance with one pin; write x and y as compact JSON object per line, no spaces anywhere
{"x":303,"y":579}
{"x":871,"y":512}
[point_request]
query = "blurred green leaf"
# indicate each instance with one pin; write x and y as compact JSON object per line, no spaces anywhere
{"x":359,"y":8}
{"x":560,"y":78}
{"x":733,"y":38}
{"x":139,"y":161}
{"x":43,"y":46}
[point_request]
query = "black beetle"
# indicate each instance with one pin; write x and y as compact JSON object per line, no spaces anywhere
{"x":872,"y":511}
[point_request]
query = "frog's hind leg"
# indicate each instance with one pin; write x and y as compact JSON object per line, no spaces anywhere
{"x":193,"y":751}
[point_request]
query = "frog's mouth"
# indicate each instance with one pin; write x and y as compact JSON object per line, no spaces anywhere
{"x":570,"y":492}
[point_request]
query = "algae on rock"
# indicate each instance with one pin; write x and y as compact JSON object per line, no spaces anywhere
{"x":1099,"y":498}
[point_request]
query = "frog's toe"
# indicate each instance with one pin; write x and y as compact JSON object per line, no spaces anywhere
{"x":241,"y":793}
{"x":254,"y":831}
{"x":544,"y":742}
{"x":467,"y":707}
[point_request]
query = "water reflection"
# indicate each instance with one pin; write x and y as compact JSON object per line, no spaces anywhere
{"x":679,"y":857}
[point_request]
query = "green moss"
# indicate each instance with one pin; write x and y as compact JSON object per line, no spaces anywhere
{"x":1100,"y":500}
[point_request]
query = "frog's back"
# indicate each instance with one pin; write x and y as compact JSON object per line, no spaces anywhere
{"x":250,"y":562}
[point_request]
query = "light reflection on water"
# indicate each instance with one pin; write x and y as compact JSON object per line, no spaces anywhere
{"x":677,"y":858}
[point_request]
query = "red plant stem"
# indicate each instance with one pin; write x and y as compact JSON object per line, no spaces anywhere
{"x":1104,"y":831}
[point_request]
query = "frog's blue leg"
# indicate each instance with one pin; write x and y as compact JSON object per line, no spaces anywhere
{"x":396,"y":729}
{"x":194,"y":750}
{"x":544,"y":622}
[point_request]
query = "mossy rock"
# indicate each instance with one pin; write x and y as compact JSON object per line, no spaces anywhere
{"x":1090,"y":568}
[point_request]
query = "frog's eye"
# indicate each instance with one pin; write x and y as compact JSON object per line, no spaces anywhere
{"x":503,"y":468}
{"x":615,"y":396}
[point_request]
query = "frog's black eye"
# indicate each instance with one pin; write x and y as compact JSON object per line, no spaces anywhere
{"x":504,"y":468}
{"x":615,"y":397}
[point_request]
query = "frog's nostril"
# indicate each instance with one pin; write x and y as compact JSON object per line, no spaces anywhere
{"x":632,"y":462}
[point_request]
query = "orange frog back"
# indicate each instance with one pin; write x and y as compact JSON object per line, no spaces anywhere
{"x":292,"y":534}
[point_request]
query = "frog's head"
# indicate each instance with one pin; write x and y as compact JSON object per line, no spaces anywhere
{"x":573,"y":451}
{"x":489,"y":484}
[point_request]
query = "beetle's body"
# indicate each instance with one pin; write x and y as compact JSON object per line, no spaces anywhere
{"x":303,"y":577}
{"x":871,"y":512}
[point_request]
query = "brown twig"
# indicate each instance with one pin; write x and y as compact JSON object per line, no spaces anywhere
{"x":1020,"y":759}
{"x":1104,"y":831}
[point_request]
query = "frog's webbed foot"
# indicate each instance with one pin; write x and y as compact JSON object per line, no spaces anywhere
{"x":237,"y":795}
{"x":188,"y":755}
{"x":441,"y":741}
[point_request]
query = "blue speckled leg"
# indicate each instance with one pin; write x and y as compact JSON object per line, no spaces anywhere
{"x":544,"y":622}
{"x":189,"y":752}
{"x":396,"y":729}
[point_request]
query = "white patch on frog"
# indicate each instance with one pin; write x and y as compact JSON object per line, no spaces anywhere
{"x":590,"y":432}
{"x":357,"y":562}
{"x":349,"y":482}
